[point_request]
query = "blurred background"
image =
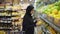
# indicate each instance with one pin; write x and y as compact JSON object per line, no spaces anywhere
{"x":47,"y":13}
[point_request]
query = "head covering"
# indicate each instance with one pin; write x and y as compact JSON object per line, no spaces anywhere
{"x":29,"y":8}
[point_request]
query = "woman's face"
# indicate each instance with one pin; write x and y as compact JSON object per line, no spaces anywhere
{"x":32,"y":11}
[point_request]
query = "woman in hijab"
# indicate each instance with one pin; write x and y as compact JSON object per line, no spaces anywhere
{"x":28,"y":21}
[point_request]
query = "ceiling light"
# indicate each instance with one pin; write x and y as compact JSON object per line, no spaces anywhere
{"x":30,"y":0}
{"x":21,"y":0}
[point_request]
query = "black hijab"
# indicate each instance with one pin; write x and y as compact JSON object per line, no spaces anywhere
{"x":28,"y":10}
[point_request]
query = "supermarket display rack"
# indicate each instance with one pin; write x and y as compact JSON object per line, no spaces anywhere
{"x":47,"y":27}
{"x":48,"y":19}
{"x":9,"y":14}
{"x":6,"y":17}
{"x":40,"y":2}
{"x":50,"y":23}
{"x":5,"y":21}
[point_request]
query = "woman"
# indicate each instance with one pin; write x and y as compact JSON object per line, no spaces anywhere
{"x":28,"y":21}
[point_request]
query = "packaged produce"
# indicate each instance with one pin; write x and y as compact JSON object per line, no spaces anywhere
{"x":39,"y":22}
{"x":51,"y":30}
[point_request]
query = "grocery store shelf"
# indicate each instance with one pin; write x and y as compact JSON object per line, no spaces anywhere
{"x":50,"y":23}
{"x":2,"y":28}
{"x":5,"y":19}
{"x":15,"y":15}
{"x":6,"y":25}
{"x":1,"y":9}
{"x":7,"y":16}
{"x":5,"y":11}
{"x":5,"y":22}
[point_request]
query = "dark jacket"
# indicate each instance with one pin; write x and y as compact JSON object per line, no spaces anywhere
{"x":28,"y":23}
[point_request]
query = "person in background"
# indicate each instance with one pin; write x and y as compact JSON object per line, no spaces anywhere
{"x":28,"y":21}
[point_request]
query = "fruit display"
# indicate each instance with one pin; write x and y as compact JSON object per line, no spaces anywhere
{"x":50,"y":14}
{"x":8,"y":7}
{"x":11,"y":15}
{"x":15,"y":13}
{"x":18,"y":15}
{"x":5,"y":14}
{"x":16,"y":7}
{"x":43,"y":27}
{"x":51,"y":30}
{"x":52,"y":9}
{"x":42,"y":3}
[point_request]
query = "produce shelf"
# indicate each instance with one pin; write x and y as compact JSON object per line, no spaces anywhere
{"x":5,"y":29}
{"x":7,"y":16}
{"x":50,"y":23}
